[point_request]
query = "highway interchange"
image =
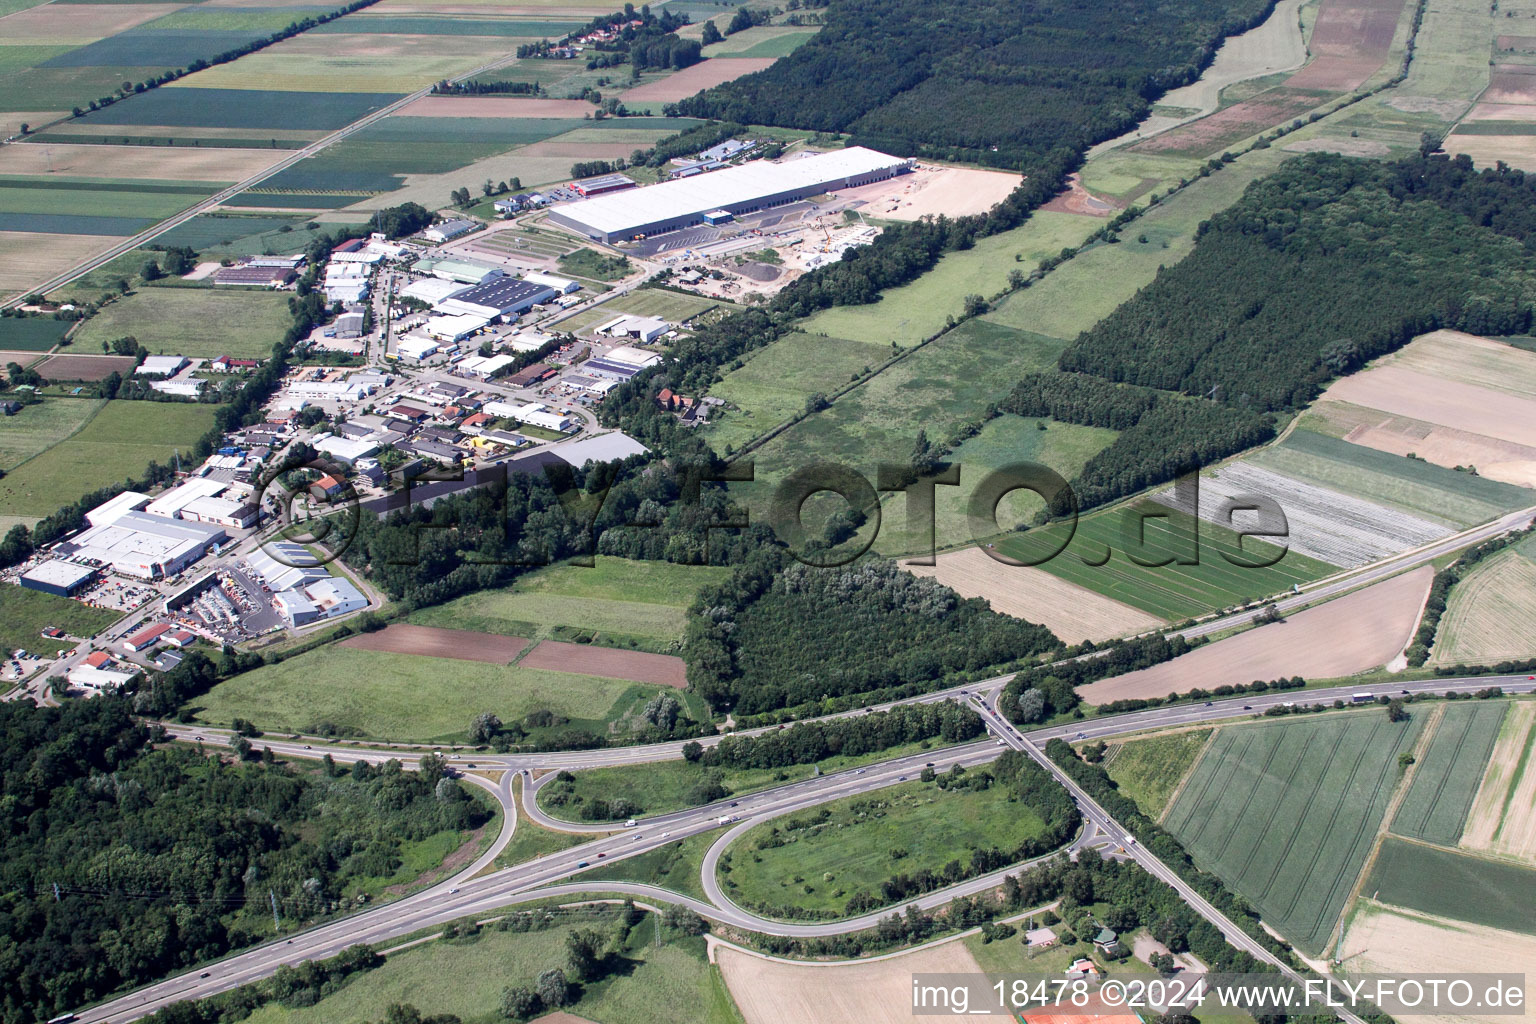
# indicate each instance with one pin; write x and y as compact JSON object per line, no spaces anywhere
{"x":480,"y":890}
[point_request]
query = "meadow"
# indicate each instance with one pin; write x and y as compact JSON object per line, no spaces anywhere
{"x":193,"y":322}
{"x":673,"y":307}
{"x":615,"y":601}
{"x":1448,"y":774}
{"x":408,"y":697}
{"x":1286,"y":813}
{"x":1149,"y":770}
{"x":763,"y":41}
{"x":817,"y":859}
{"x":664,"y":786}
{"x":1454,"y":885}
{"x":1170,"y":591}
{"x":235,"y":234}
{"x":24,"y":613}
{"x":455,"y":25}
{"x":117,"y":444}
{"x":42,"y":425}
{"x":466,"y":977}
{"x":677,"y":866}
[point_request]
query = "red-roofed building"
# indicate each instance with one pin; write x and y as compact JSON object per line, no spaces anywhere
{"x":327,"y":485}
{"x":409,"y":412}
{"x":98,"y":659}
{"x":477,"y":421}
{"x":224,"y":364}
{"x":144,"y":639}
{"x":181,"y":638}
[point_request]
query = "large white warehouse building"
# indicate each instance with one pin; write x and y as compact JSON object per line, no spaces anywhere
{"x":735,"y":190}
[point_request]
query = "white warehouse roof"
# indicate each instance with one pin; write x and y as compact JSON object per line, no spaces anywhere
{"x":616,"y":213}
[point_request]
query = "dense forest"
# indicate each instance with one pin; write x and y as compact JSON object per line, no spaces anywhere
{"x":121,"y":862}
{"x":990,"y":82}
{"x":809,"y":742}
{"x":778,"y":633}
{"x":1320,"y":267}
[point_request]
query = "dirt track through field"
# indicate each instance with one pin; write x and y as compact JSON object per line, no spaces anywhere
{"x":609,"y":662}
{"x":1360,"y":631}
{"x":1071,"y":612}
{"x":435,"y":642}
{"x":880,"y":992}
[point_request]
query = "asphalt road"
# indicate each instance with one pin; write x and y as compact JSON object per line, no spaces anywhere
{"x":466,"y":895}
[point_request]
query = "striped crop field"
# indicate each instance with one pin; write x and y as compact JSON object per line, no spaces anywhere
{"x":1435,"y":807}
{"x":1286,"y":812}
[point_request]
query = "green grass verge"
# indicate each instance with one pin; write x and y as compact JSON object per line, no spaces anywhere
{"x":676,"y":866}
{"x":1149,"y":770}
{"x":409,"y":697}
{"x":175,"y":321}
{"x":1435,"y":807}
{"x":593,"y":264}
{"x":826,"y":855}
{"x":118,"y":442}
{"x":1454,"y":885}
{"x":665,"y":785}
{"x":1286,"y":812}
{"x":24,"y":613}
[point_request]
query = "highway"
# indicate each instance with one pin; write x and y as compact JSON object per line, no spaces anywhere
{"x":465,"y":894}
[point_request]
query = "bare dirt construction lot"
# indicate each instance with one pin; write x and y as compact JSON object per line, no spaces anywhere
{"x":703,"y":75}
{"x":433,"y":642}
{"x":1077,"y":199}
{"x":932,"y":191}
{"x":1461,"y":382}
{"x":871,"y":992}
{"x":608,"y":662}
{"x":1071,"y":612}
{"x":1360,"y":631}
{"x":175,"y":164}
{"x":1384,"y":939}
{"x":1502,"y":820}
{"x":65,"y":367}
{"x":494,"y":106}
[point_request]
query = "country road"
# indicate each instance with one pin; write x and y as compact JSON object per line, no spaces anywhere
{"x":550,"y":875}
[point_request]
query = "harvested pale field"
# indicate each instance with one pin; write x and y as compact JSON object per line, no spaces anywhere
{"x":156,"y":162}
{"x":90,"y":129}
{"x":1341,"y":145}
{"x":1502,"y":820}
{"x":1471,"y":360}
{"x":1502,"y":112}
{"x":539,"y":164}
{"x":1071,"y":612}
{"x":74,"y":24}
{"x":348,"y":47}
{"x":1444,"y":446}
{"x":1274,"y":46}
{"x":494,"y":106}
{"x":953,"y":192}
{"x":82,"y":367}
{"x":1510,"y":83}
{"x":1490,"y":613}
{"x":434,"y":642}
{"x":1360,"y":631}
{"x":1326,"y":524}
{"x":28,"y":258}
{"x":608,"y":662}
{"x":578,"y":150}
{"x":703,"y":75}
{"x":1518,"y":151}
{"x":874,"y":992}
{"x":1386,"y":939}
{"x":10,"y":123}
{"x":1406,"y":392}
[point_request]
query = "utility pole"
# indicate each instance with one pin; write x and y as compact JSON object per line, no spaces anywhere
{"x":277,"y":924}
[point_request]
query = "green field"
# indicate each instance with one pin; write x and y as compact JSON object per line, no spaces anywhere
{"x":773,"y":384}
{"x":1408,"y":484}
{"x":763,"y":41}
{"x":31,"y":333}
{"x":175,"y":321}
{"x":240,"y":234}
{"x":410,"y":697}
{"x":465,"y":978}
{"x":23,"y":614}
{"x":664,"y":786}
{"x":42,"y":425}
{"x":1149,"y":770}
{"x":591,"y":263}
{"x":196,"y":107}
{"x":1286,"y":812}
{"x":25,"y":197}
{"x":1454,"y":885}
{"x":1446,"y":779}
{"x":117,"y":444}
{"x":677,"y":866}
{"x":915,"y":311}
{"x":840,"y":848}
{"x":1171,"y":591}
{"x":457,"y":25}
{"x":617,"y":600}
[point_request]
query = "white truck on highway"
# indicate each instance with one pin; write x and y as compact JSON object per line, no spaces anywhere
{"x":725,"y":819}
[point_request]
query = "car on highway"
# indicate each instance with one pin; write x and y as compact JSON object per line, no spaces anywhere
{"x":902,"y":779}
{"x":1247,"y":707}
{"x":665,"y":834}
{"x":637,"y":839}
{"x":453,"y":892}
{"x":601,"y":856}
{"x":583,"y":864}
{"x":928,"y":765}
{"x":861,"y":771}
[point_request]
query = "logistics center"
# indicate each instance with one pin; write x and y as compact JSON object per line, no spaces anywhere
{"x":735,"y":191}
